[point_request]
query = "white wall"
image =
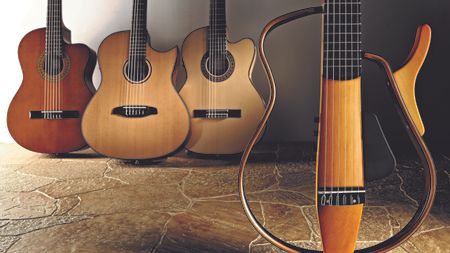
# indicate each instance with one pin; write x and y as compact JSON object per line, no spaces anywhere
{"x":170,"y":21}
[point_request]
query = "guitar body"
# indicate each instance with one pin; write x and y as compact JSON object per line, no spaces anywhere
{"x":340,"y":165}
{"x":147,"y":137}
{"x":76,"y":89}
{"x":226,"y":135}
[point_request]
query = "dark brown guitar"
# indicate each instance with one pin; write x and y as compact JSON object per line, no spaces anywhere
{"x":45,"y":114}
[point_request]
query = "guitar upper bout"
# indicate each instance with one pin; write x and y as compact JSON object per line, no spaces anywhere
{"x":406,"y":76}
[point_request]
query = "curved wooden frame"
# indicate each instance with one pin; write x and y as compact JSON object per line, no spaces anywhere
{"x":412,"y":129}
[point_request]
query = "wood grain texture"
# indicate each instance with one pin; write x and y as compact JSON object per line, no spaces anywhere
{"x":406,"y":76}
{"x":226,"y":136}
{"x":340,"y":161}
{"x":135,"y":138}
{"x":50,"y":136}
{"x":340,"y":156}
{"x":339,"y":227}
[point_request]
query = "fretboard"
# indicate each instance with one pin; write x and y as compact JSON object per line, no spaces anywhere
{"x":138,"y":34}
{"x":217,"y":32}
{"x":54,"y":32}
{"x":342,"y":39}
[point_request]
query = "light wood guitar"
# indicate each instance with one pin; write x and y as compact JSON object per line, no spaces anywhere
{"x":136,"y":113}
{"x":225,"y":107}
{"x":45,"y":114}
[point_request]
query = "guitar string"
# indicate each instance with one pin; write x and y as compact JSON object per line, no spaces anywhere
{"x":359,"y":40}
{"x":340,"y":90}
{"x":128,"y":68}
{"x":345,"y":106}
{"x":142,"y":52}
{"x":214,"y":72}
{"x":60,"y":55}
{"x":135,"y":70}
{"x":332,"y":105}
{"x":53,"y":62}
{"x":346,"y":54}
{"x":46,"y":60}
{"x":210,"y":56}
{"x":325,"y":105}
{"x":50,"y":85}
{"x":131,"y":61}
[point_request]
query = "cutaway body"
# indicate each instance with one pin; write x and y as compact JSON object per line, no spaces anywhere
{"x":33,"y":115}
{"x":130,"y":120}
{"x":234,"y":104}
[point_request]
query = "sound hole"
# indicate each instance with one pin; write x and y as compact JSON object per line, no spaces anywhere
{"x":54,"y":66}
{"x":137,"y":70}
{"x":218,"y":68}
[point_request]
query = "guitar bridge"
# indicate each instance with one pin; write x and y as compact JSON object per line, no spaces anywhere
{"x":134,"y":111}
{"x":217,"y":114}
{"x":341,"y":196}
{"x":54,"y":115}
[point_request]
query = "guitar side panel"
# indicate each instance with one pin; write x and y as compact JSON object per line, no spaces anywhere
{"x":135,"y":138}
{"x":49,"y":136}
{"x":227,"y":136}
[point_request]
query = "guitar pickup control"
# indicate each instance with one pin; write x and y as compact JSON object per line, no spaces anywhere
{"x":218,"y":114}
{"x":54,"y":115}
{"x":134,"y":111}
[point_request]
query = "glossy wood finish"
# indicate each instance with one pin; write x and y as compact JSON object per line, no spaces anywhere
{"x":406,"y":76}
{"x":135,"y":138}
{"x":224,"y":136}
{"x":340,"y":161}
{"x":50,"y":136}
{"x":340,"y":156}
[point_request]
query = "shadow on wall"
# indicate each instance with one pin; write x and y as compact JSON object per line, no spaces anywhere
{"x":394,"y":40}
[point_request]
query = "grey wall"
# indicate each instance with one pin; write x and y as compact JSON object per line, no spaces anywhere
{"x":294,"y":51}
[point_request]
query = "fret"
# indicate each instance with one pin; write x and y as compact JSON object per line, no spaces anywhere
{"x":138,"y":33}
{"x":54,"y":35}
{"x":342,"y":39}
{"x":217,"y":31}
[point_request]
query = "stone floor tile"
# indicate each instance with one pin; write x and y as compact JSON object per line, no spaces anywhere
{"x":127,"y":199}
{"x":128,"y":232}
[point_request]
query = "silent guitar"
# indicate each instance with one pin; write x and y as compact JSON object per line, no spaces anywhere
{"x":45,"y":114}
{"x":340,"y":194}
{"x":136,"y":113}
{"x":224,"y":106}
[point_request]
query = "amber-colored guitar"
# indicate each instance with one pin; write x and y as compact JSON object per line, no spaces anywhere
{"x":224,"y":106}
{"x":340,"y":176}
{"x":45,"y":114}
{"x":136,"y":113}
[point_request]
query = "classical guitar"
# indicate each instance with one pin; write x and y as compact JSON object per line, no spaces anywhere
{"x":136,"y":113}
{"x":340,"y":180}
{"x":224,"y":106}
{"x":45,"y":114}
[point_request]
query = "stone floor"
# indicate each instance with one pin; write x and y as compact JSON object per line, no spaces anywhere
{"x":88,"y":203}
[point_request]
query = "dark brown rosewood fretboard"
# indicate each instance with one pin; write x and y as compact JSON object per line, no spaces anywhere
{"x":342,"y":39}
{"x":217,"y":32}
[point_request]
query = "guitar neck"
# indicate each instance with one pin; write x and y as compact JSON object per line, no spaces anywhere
{"x":139,"y":34}
{"x":340,"y":159}
{"x":54,"y":34}
{"x":342,"y":40}
{"x":217,"y":31}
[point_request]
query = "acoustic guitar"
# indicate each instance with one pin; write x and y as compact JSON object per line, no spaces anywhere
{"x":45,"y":114}
{"x":340,"y":179}
{"x":223,"y":104}
{"x":136,"y":113}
